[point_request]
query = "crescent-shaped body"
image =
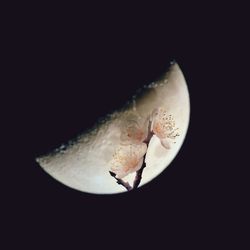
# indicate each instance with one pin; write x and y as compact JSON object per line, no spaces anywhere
{"x":85,"y":163}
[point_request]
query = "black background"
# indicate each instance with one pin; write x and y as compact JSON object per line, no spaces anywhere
{"x":72,"y":66}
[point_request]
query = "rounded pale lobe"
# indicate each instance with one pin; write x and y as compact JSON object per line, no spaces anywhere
{"x":128,"y":159}
{"x":85,"y":164}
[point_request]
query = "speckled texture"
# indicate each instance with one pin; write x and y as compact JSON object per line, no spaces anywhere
{"x":84,"y":164}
